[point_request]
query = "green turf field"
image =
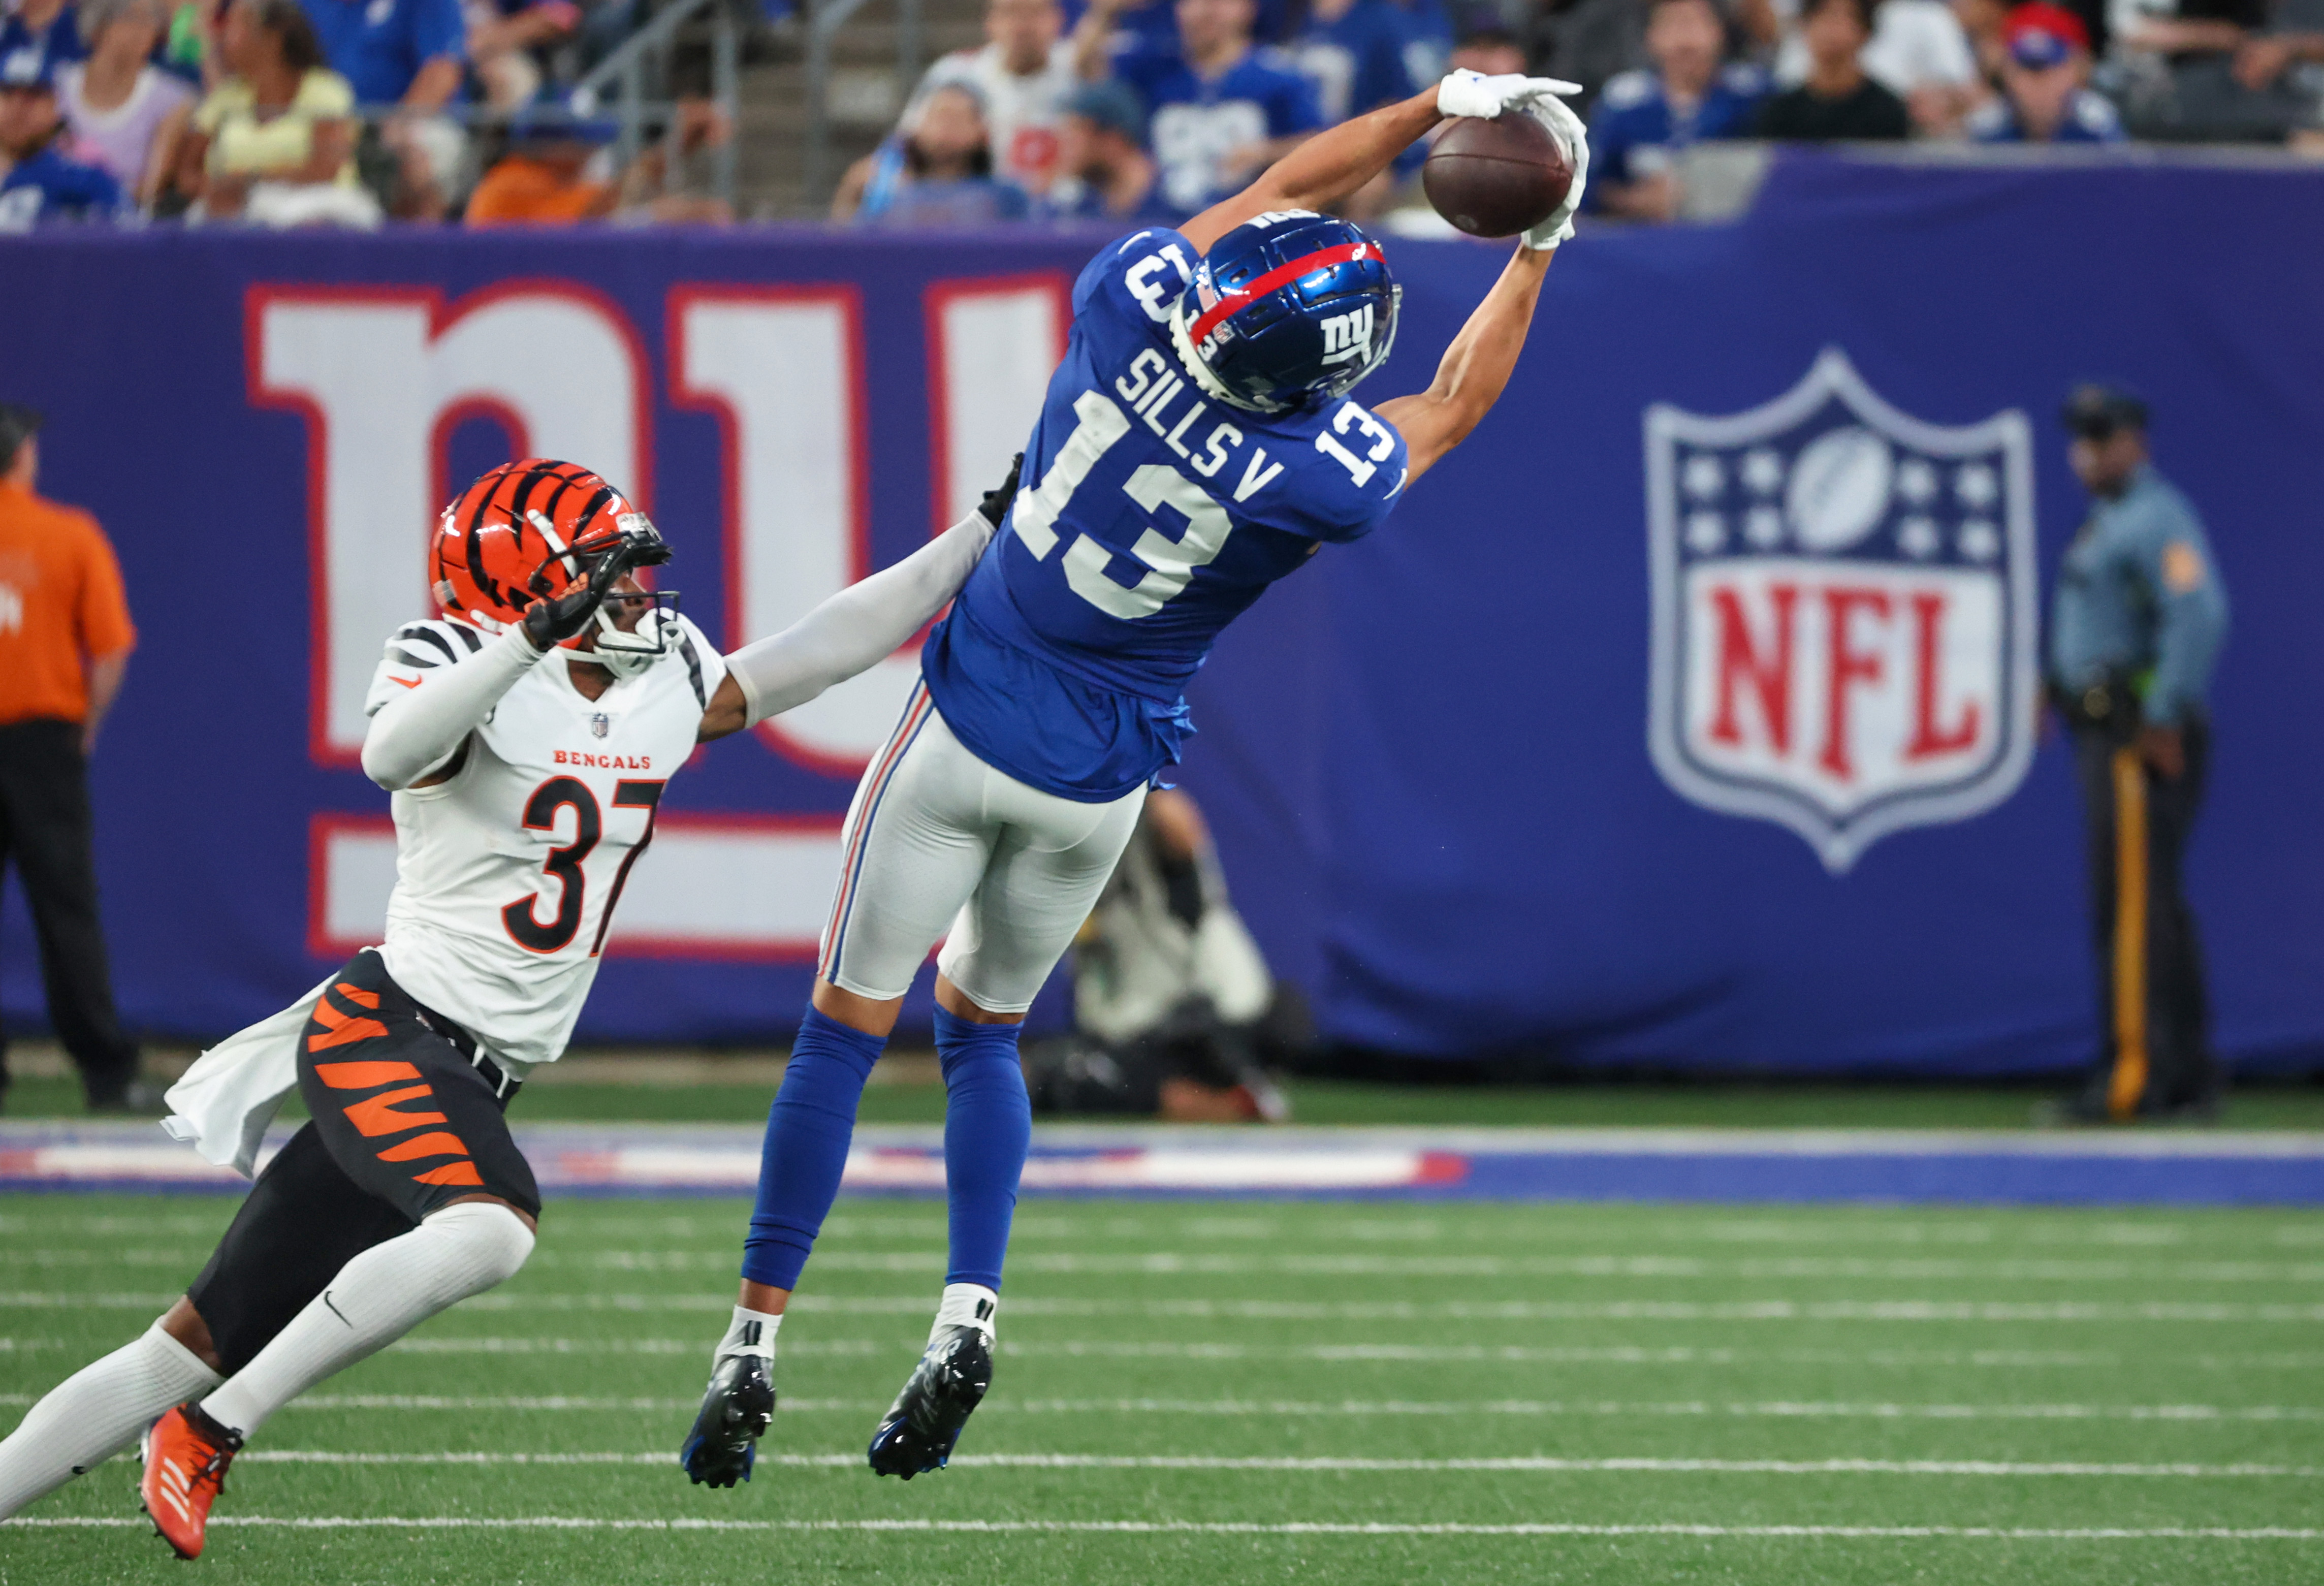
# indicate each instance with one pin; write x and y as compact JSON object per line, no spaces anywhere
{"x":1185,"y":1390}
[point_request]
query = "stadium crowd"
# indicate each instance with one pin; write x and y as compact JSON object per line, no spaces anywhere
{"x":297,"y":112}
{"x":1153,"y":109}
{"x":288,"y":113}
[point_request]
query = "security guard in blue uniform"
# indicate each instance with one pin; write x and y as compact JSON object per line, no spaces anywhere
{"x":2135,"y":628}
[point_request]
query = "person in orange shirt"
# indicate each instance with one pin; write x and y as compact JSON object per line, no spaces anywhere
{"x":65,"y":638}
{"x":543,"y":180}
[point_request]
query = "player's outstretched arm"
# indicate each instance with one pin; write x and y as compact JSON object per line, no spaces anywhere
{"x":1336,"y":161}
{"x":1476,"y":368}
{"x":856,"y":629}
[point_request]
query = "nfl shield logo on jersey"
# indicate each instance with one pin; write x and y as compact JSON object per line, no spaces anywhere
{"x":600,"y":725}
{"x":1843,"y":610}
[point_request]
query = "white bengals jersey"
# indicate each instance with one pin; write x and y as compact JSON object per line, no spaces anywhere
{"x":507,"y":874}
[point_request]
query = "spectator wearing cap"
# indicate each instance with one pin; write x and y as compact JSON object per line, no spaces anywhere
{"x":47,"y":30}
{"x":273,"y":144}
{"x":2136,"y":623}
{"x":1022,"y":76}
{"x":1838,"y":101}
{"x":546,"y":178}
{"x":65,"y":638}
{"x":124,"y":112}
{"x":1688,"y":96}
{"x":39,"y":181}
{"x":1219,"y":109}
{"x":1103,"y":172}
{"x":2044,"y":68}
{"x":938,"y":174}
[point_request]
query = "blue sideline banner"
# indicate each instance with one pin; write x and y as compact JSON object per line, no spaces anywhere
{"x":1683,"y":717}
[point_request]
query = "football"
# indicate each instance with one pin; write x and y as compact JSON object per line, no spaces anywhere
{"x":1495,"y":177}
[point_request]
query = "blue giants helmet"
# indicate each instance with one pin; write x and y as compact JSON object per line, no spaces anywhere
{"x":1285,"y":309}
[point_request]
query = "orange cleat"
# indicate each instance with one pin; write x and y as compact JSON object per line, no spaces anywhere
{"x":186,"y":1457}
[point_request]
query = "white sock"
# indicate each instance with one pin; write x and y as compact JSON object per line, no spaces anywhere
{"x":966,"y":1304}
{"x":376,"y":1298}
{"x":95,"y":1413}
{"x":750,"y":1332}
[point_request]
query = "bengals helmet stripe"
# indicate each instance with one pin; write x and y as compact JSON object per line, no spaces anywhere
{"x":487,"y":573}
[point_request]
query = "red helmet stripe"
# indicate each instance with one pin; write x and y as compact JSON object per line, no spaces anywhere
{"x":1281,"y":275}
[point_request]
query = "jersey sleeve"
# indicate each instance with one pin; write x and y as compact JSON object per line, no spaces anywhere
{"x":705,"y":668}
{"x":415,"y":650}
{"x":102,"y":615}
{"x":2169,"y":554}
{"x":1351,"y":477}
{"x":1137,"y":280}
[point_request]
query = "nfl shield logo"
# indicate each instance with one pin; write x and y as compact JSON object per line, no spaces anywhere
{"x":1843,"y":612}
{"x":600,"y":725}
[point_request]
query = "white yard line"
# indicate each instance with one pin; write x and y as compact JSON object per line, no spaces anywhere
{"x":1525,"y":1464}
{"x":1217,"y":1527}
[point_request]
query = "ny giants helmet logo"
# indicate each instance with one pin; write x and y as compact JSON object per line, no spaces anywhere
{"x":1348,"y":335}
{"x":1843,"y":612}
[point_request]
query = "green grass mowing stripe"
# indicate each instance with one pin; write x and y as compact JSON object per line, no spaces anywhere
{"x":1519,"y":1464}
{"x":1211,"y":1527}
{"x":1387,"y":1408}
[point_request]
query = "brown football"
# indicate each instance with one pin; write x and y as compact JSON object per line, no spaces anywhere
{"x":1496,"y":177}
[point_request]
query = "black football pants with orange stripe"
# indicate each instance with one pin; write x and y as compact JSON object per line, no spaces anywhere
{"x":404,"y":1122}
{"x":2152,"y":1009}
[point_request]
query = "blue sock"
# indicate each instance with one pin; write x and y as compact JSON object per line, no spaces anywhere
{"x":988,"y":1125}
{"x":807,"y":1131}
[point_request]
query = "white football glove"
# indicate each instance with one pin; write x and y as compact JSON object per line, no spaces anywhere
{"x":1573,"y":138}
{"x":1472,"y":93}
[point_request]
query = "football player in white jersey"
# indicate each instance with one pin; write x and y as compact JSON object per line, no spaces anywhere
{"x":527,"y":735}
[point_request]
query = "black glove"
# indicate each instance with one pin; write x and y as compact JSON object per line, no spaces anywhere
{"x":995,"y":504}
{"x":550,"y":622}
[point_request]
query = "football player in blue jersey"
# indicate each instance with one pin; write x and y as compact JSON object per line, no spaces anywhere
{"x":1197,"y":443}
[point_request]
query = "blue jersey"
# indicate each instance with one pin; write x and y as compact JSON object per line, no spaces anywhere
{"x":1151,"y":517}
{"x":2090,"y":118}
{"x":1356,"y":60}
{"x":1636,"y":123}
{"x":49,"y":187}
{"x":1195,"y":122}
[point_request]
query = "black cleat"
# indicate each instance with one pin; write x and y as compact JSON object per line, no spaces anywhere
{"x":736,"y":1413}
{"x":920,"y":1427}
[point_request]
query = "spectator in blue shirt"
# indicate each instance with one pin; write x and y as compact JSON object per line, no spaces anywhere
{"x":1353,"y":52}
{"x":46,"y":29}
{"x":1103,"y":173}
{"x":1219,"y":111}
{"x":41,"y":183}
{"x":2045,"y":63}
{"x":409,"y":53}
{"x":1686,"y":98}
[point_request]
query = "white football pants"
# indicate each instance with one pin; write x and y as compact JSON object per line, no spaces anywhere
{"x":935,"y":839}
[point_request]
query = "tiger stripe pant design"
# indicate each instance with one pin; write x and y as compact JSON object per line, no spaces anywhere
{"x":404,"y":1123}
